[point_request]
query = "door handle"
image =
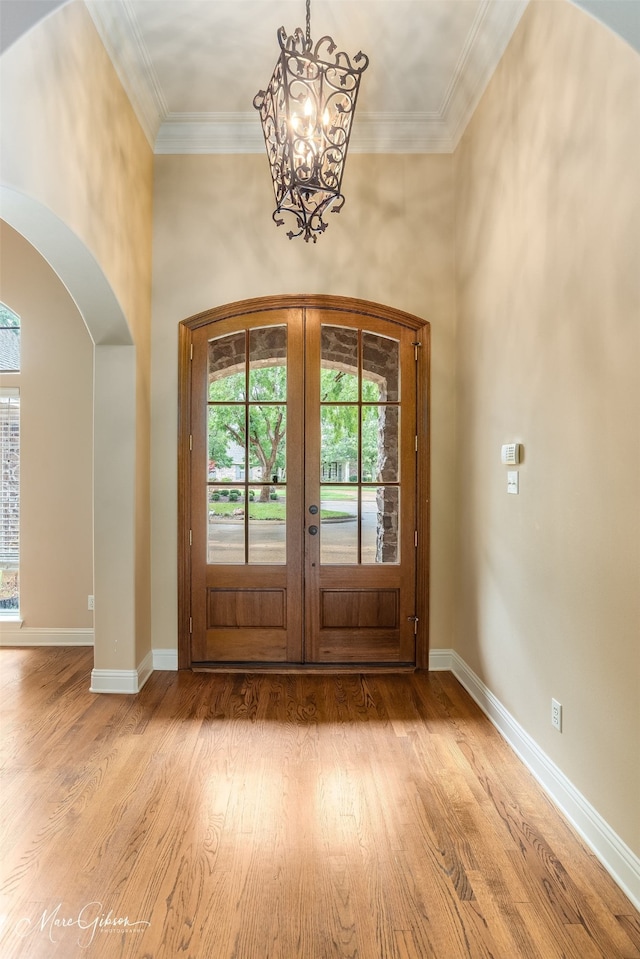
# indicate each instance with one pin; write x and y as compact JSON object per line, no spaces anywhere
{"x":313,"y":530}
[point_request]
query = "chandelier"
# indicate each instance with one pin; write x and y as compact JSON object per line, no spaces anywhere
{"x":306,"y":114}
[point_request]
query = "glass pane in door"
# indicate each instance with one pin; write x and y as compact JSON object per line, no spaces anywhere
{"x":268,"y":364}
{"x":267,"y":442}
{"x":380,"y":368}
{"x":227,"y":368}
{"x":380,"y":444}
{"x":380,"y":529}
{"x":339,"y":365}
{"x":246,"y":436}
{"x":360,"y":446}
{"x":225,"y":539}
{"x":338,"y":525}
{"x":267,"y":524}
{"x":226,"y":446}
{"x":339,"y":443}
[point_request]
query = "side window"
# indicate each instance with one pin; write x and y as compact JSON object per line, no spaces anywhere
{"x":9,"y":499}
{"x":9,"y":340}
{"x":9,"y":464}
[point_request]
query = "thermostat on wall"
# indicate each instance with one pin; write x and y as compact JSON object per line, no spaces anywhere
{"x":511,"y":453}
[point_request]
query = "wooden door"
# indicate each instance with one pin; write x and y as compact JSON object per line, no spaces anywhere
{"x":246,"y":490}
{"x":360,"y":457}
{"x":300,"y":523}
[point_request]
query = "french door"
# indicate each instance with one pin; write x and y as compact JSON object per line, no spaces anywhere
{"x":299,"y":481}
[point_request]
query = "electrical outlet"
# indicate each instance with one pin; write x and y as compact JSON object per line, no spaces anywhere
{"x":556,"y":715}
{"x":90,"y":603}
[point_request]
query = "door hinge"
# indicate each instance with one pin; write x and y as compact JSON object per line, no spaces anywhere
{"x":416,"y":443}
{"x":416,"y":346}
{"x":415,"y":537}
{"x":190,"y":537}
{"x":190,"y":624}
{"x":191,"y":352}
{"x":415,"y":621}
{"x":190,"y":442}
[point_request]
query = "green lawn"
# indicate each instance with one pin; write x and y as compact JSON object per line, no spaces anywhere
{"x":270,"y":510}
{"x":340,"y":492}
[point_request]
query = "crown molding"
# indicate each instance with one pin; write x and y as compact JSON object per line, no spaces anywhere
{"x":239,"y":133}
{"x":118,"y":28}
{"x":220,"y":133}
{"x":487,"y":41}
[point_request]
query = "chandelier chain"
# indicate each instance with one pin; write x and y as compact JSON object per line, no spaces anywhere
{"x":309,"y":22}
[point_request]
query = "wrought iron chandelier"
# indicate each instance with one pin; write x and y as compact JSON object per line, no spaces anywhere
{"x":306,"y":114}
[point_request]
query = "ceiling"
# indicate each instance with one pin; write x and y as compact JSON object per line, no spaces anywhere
{"x":192,"y":67}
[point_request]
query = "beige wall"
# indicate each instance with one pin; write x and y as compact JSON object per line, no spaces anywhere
{"x":215,"y":242}
{"x":548,"y":278}
{"x":56,"y":411}
{"x":71,"y":140}
{"x":77,"y":177}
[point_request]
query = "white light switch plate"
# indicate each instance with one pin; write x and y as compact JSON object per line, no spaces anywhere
{"x":513,"y":482}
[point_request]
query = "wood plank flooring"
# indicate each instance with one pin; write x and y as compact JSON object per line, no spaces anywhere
{"x":281,"y":817}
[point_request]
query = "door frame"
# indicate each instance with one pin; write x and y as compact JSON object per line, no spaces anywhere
{"x":324,"y":302}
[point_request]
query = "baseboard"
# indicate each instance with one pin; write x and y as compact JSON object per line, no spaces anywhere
{"x":122,"y":680}
{"x":440,"y":659}
{"x":165,"y":659}
{"x":144,"y":670}
{"x":618,"y":859}
{"x":14,"y":635}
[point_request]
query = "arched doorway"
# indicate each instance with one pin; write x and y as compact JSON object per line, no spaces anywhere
{"x":114,"y":451}
{"x":303,"y":486}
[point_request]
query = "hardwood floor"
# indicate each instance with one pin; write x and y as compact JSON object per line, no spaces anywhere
{"x":282,"y":817}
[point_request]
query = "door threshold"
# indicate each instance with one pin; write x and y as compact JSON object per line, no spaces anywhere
{"x":302,"y":668}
